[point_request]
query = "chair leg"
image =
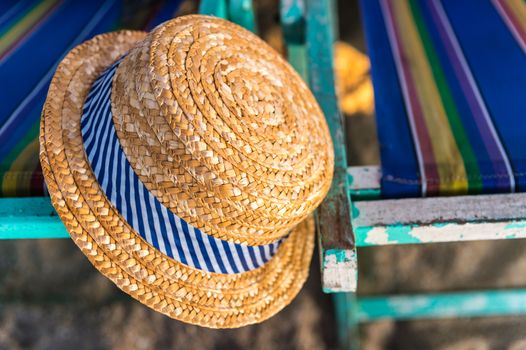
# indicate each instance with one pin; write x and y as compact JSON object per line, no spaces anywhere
{"x":347,"y":318}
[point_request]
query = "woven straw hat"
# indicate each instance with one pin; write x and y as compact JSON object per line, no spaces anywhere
{"x":185,"y":164}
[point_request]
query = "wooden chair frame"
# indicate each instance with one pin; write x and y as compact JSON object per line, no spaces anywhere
{"x":353,"y":215}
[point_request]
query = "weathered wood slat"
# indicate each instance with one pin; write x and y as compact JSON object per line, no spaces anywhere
{"x":364,"y":177}
{"x":439,"y":233}
{"x":292,"y":19}
{"x":337,"y":243}
{"x":440,"y":219}
{"x":351,"y":310}
{"x":242,"y":12}
{"x":216,"y":8}
{"x":29,"y":218}
{"x":449,"y":219}
{"x":443,"y":305}
{"x":459,"y":209}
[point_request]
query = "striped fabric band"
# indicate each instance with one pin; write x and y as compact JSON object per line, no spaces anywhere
{"x":151,"y":219}
{"x":448,"y":78}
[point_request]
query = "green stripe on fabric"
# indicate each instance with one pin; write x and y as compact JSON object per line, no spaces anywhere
{"x":15,"y":21}
{"x":461,"y":138}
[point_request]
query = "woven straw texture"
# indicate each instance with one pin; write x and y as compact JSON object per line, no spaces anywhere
{"x":192,"y":142}
{"x":225,"y":133}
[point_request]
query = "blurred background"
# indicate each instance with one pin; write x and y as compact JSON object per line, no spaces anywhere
{"x":52,"y":298}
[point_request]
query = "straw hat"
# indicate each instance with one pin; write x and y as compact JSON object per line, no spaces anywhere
{"x":185,"y":164}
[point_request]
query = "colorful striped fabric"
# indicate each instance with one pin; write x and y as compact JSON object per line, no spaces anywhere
{"x":34,"y":36}
{"x":448,"y":78}
{"x":157,"y":224}
{"x":513,"y":12}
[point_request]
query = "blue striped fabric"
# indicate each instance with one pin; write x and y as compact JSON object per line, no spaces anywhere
{"x":151,"y":219}
{"x":448,"y":80}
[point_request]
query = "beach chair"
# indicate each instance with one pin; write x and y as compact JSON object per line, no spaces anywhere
{"x":399,"y":202}
{"x":447,"y":77}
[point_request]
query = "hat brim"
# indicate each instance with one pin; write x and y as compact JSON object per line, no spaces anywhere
{"x":116,"y":250}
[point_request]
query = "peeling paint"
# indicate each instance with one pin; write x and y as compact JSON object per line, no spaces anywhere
{"x":438,"y":232}
{"x":401,"y":233}
{"x":339,"y":270}
{"x":516,"y":225}
{"x":355,"y":211}
{"x":460,"y":304}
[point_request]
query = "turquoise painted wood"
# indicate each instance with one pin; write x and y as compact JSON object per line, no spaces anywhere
{"x":31,"y":217}
{"x":216,"y":8}
{"x":292,"y":18}
{"x":297,"y":57}
{"x":34,"y":217}
{"x":347,"y":319}
{"x":446,"y":305}
{"x":437,"y":233}
{"x":293,"y":22}
{"x":351,"y":310}
{"x":334,"y":214}
{"x":242,"y":12}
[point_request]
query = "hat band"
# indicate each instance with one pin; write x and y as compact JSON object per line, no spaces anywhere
{"x":158,"y":225}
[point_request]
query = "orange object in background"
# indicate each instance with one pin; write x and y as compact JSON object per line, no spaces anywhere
{"x":353,"y":80}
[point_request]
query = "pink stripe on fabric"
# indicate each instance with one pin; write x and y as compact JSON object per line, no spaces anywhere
{"x":421,"y":138}
{"x":512,"y":22}
{"x":494,"y":147}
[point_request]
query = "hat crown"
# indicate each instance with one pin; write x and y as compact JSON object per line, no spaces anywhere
{"x":222,"y":130}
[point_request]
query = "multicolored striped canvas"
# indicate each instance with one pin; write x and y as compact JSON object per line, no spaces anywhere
{"x":449,"y":78}
{"x":34,"y":36}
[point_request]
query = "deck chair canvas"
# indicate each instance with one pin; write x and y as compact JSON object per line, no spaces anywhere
{"x":33,"y":41}
{"x":447,"y":77}
{"x":394,"y":203}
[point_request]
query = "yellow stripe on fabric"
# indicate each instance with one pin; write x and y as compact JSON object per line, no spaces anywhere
{"x":519,"y":10}
{"x":450,"y":165}
{"x":22,"y":167}
{"x":25,"y":24}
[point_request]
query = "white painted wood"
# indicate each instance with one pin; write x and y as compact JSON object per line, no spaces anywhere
{"x":474,"y":208}
{"x":452,"y":232}
{"x":364,"y":177}
{"x":339,"y":271}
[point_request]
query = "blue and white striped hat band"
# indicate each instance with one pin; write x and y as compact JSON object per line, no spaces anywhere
{"x":155,"y":223}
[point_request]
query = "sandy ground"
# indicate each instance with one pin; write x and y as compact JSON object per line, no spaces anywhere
{"x":52,"y":298}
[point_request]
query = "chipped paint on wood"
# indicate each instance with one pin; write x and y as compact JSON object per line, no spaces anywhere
{"x":439,"y":232}
{"x":334,"y":214}
{"x":339,"y":269}
{"x":444,"y":305}
{"x":427,"y":211}
{"x":364,"y":177}
{"x":516,"y":225}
